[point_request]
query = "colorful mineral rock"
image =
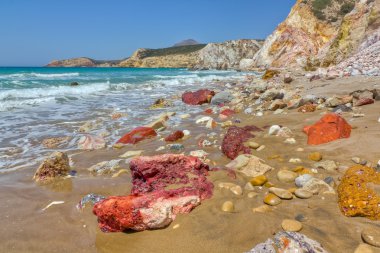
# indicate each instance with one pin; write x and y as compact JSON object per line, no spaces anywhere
{"x":56,"y":165}
{"x":232,"y":144}
{"x":152,"y":204}
{"x":138,"y":134}
{"x":175,"y":136}
{"x":357,"y":196}
{"x":197,"y":97}
{"x":329,"y":128}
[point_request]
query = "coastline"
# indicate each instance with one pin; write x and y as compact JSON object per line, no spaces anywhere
{"x":206,"y":228}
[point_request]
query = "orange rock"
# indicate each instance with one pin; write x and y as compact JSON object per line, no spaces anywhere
{"x":307,"y":108}
{"x":138,"y":134}
{"x":329,"y":128}
{"x":356,"y":196}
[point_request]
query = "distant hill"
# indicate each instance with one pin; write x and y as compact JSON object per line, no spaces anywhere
{"x":188,"y":42}
{"x":83,"y":62}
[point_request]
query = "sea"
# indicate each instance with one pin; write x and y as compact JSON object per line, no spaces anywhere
{"x":38,"y":103}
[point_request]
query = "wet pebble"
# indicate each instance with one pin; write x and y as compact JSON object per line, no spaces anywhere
{"x":286,"y":176}
{"x":259,"y":180}
{"x":252,"y":195}
{"x":281,"y":193}
{"x":261,"y":209}
{"x":315,"y":156}
{"x":371,"y":236}
{"x":253,"y":144}
{"x":302,"y":180}
{"x":291,"y":225}
{"x":272,"y":200}
{"x":237,"y":190}
{"x":303,"y":194}
{"x":228,"y":207}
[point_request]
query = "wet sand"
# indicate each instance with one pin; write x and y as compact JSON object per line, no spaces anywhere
{"x":62,"y":228}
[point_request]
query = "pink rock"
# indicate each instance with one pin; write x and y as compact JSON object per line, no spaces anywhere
{"x":364,"y":101}
{"x":233,"y":141}
{"x":151,"y":204}
{"x":198,"y":97}
{"x":90,"y":142}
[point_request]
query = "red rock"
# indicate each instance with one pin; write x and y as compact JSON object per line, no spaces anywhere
{"x":136,"y":135}
{"x":140,"y":212}
{"x":174,"y":136}
{"x":151,"y":204}
{"x":227,"y":112}
{"x":232,"y":143}
{"x":208,"y":111}
{"x":329,"y":128}
{"x":364,"y":101}
{"x":198,"y":97}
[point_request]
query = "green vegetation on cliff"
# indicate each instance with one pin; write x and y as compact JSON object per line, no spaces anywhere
{"x":172,"y":50}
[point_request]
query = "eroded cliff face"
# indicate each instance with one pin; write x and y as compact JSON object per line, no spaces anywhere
{"x":315,"y":35}
{"x":227,"y":55}
{"x":140,"y":59}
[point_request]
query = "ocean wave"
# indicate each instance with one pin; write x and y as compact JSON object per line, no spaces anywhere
{"x":33,"y":75}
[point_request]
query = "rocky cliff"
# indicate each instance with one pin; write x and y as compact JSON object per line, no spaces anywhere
{"x":171,"y":57}
{"x":83,"y":62}
{"x":320,"y":33}
{"x":232,"y":54}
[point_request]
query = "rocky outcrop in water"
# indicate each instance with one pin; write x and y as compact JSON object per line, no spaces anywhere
{"x":82,"y":62}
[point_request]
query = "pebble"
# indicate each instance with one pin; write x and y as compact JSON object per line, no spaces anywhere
{"x":272,"y":200}
{"x":252,"y":195}
{"x":371,"y":236}
{"x":302,"y":180}
{"x":290,"y":141}
{"x":303,"y":194}
{"x":300,"y":150}
{"x":273,"y":130}
{"x":228,"y":207}
{"x":363,"y":248}
{"x":259,"y":114}
{"x":260,"y":148}
{"x":176,"y":147}
{"x":237,"y":190}
{"x":286,"y":176}
{"x":327,"y":165}
{"x":295,"y":160}
{"x":184,"y":116}
{"x":291,"y":225}
{"x":261,"y":209}
{"x":356,"y":160}
{"x":176,"y":226}
{"x":253,"y":144}
{"x":259,"y":180}
{"x":281,"y":193}
{"x":131,"y":153}
{"x":315,"y":156}
{"x":300,"y":217}
{"x":120,"y":172}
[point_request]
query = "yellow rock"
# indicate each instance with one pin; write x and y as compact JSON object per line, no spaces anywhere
{"x":272,"y":200}
{"x":259,"y":180}
{"x":315,"y":156}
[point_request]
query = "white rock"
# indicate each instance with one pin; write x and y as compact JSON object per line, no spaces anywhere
{"x":273,"y":130}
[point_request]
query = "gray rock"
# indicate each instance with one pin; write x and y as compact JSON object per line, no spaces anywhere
{"x":371,"y":236}
{"x":326,"y":165}
{"x":221,"y":98}
{"x":302,"y":180}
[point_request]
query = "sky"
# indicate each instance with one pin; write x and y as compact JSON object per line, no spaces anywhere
{"x":34,"y":32}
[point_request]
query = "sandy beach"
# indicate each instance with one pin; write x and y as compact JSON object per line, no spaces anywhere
{"x":64,"y":228}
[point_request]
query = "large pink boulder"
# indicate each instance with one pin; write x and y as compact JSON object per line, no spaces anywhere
{"x":151,"y":204}
{"x":197,"y":97}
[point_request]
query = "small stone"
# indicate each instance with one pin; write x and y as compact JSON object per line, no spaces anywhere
{"x":295,"y":160}
{"x":315,"y":156}
{"x":300,"y":218}
{"x":303,"y":194}
{"x":291,"y":225}
{"x":252,"y":195}
{"x":261,"y":148}
{"x":286,"y":176}
{"x":290,"y":141}
{"x":185,"y":116}
{"x":371,"y":236}
{"x":327,"y":165}
{"x":228,"y":207}
{"x":281,"y":193}
{"x":363,"y":248}
{"x":176,"y":226}
{"x":272,"y":200}
{"x":356,"y":160}
{"x":259,"y":180}
{"x":300,"y":150}
{"x":261,"y":209}
{"x":118,"y":145}
{"x":253,"y":144}
{"x":330,"y":181}
{"x":237,"y":190}
{"x":176,"y":147}
{"x":273,"y":130}
{"x":302,"y":180}
{"x":131,"y":153}
{"x":120,"y":172}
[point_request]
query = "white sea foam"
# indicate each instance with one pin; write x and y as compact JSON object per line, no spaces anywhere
{"x":33,"y":75}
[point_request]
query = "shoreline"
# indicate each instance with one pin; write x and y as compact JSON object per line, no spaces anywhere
{"x":206,"y":228}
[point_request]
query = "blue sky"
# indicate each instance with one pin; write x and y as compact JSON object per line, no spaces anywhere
{"x":34,"y":32}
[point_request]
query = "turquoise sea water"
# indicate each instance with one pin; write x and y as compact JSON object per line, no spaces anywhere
{"x":38,"y":103}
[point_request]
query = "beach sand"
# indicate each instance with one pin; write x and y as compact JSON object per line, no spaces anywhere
{"x":62,"y":228}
